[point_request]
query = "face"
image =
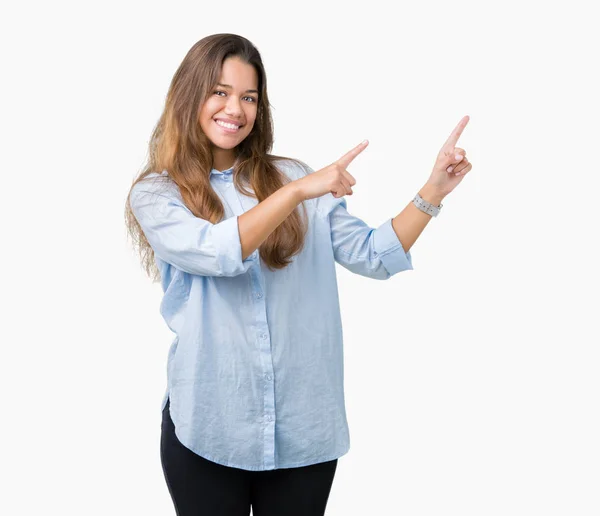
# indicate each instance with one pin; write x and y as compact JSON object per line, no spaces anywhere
{"x":233,"y":101}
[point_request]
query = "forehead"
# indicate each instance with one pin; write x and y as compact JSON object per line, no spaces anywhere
{"x":238,"y":74}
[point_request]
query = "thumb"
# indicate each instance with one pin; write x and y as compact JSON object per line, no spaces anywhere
{"x":456,"y":157}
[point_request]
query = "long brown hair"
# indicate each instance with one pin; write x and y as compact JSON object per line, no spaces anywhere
{"x":179,"y":146}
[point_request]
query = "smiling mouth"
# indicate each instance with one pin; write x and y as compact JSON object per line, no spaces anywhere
{"x":228,"y":129}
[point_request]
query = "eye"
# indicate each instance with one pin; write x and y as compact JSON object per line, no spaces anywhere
{"x":252,"y":99}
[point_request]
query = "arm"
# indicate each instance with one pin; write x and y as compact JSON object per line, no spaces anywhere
{"x":450,"y":168}
{"x":257,"y":224}
{"x":371,"y":252}
{"x":200,"y":247}
{"x":411,"y":221}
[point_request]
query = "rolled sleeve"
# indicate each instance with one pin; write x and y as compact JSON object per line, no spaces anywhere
{"x":187,"y":242}
{"x":389,"y":249}
{"x":374,"y":253}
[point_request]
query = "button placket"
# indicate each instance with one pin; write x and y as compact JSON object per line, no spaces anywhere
{"x":264,"y":348}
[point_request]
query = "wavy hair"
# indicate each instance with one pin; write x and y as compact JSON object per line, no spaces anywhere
{"x":179,"y":146}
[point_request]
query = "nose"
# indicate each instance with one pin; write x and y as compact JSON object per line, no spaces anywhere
{"x":233,"y":107}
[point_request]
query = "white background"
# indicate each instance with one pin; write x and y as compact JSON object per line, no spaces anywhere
{"x":472,"y":382}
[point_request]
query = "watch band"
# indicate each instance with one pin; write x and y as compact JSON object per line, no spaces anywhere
{"x":425,"y":206}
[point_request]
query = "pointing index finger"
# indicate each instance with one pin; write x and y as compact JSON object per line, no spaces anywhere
{"x":347,"y":158}
{"x":455,"y":135}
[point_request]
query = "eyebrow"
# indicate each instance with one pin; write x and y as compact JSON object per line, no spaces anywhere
{"x":231,"y":87}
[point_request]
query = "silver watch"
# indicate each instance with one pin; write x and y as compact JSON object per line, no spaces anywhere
{"x":425,"y":206}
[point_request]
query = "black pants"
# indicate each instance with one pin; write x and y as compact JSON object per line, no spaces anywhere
{"x":201,"y":487}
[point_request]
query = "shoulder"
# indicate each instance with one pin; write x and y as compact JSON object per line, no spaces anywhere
{"x":156,"y":187}
{"x":156,"y":182}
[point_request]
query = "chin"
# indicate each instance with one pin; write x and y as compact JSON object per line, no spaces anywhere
{"x":219,"y":142}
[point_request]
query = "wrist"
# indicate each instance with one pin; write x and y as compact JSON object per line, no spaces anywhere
{"x":431,"y":194}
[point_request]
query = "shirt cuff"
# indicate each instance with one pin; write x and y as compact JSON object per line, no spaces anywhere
{"x":389,"y":249}
{"x":229,"y":247}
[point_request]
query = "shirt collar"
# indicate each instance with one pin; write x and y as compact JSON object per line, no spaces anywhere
{"x":224,"y":172}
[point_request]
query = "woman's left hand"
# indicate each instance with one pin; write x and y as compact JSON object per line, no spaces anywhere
{"x":451,"y":165}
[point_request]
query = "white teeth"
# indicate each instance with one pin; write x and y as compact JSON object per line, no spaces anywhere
{"x":225,"y":124}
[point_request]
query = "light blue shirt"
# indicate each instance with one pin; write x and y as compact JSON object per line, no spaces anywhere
{"x":255,"y":373}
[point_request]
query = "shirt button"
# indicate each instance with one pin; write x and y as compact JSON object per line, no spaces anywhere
{"x":268,"y":377}
{"x":269,"y":418}
{"x":264,"y":335}
{"x":259,"y":295}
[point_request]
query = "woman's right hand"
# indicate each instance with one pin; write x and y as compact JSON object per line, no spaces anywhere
{"x":333,"y":178}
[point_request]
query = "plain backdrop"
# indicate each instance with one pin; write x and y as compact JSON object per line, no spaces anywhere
{"x":471,"y":382}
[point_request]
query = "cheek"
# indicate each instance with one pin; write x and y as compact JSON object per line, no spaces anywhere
{"x":209,"y":108}
{"x":205,"y":117}
{"x":204,"y":123}
{"x":251,"y":116}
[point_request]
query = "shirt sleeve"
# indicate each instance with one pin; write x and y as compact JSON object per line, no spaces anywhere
{"x":373,"y":252}
{"x":185,"y":241}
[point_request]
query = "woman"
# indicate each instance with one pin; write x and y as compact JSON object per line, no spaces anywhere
{"x":245,"y":243}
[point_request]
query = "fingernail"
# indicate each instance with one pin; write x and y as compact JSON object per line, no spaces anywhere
{"x":449,"y":169}
{"x":458,"y":157}
{"x":363,"y":142}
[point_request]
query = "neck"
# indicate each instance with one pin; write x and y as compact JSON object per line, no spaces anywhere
{"x":223,"y":159}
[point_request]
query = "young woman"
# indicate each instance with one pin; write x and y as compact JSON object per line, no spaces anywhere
{"x":245,"y":243}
